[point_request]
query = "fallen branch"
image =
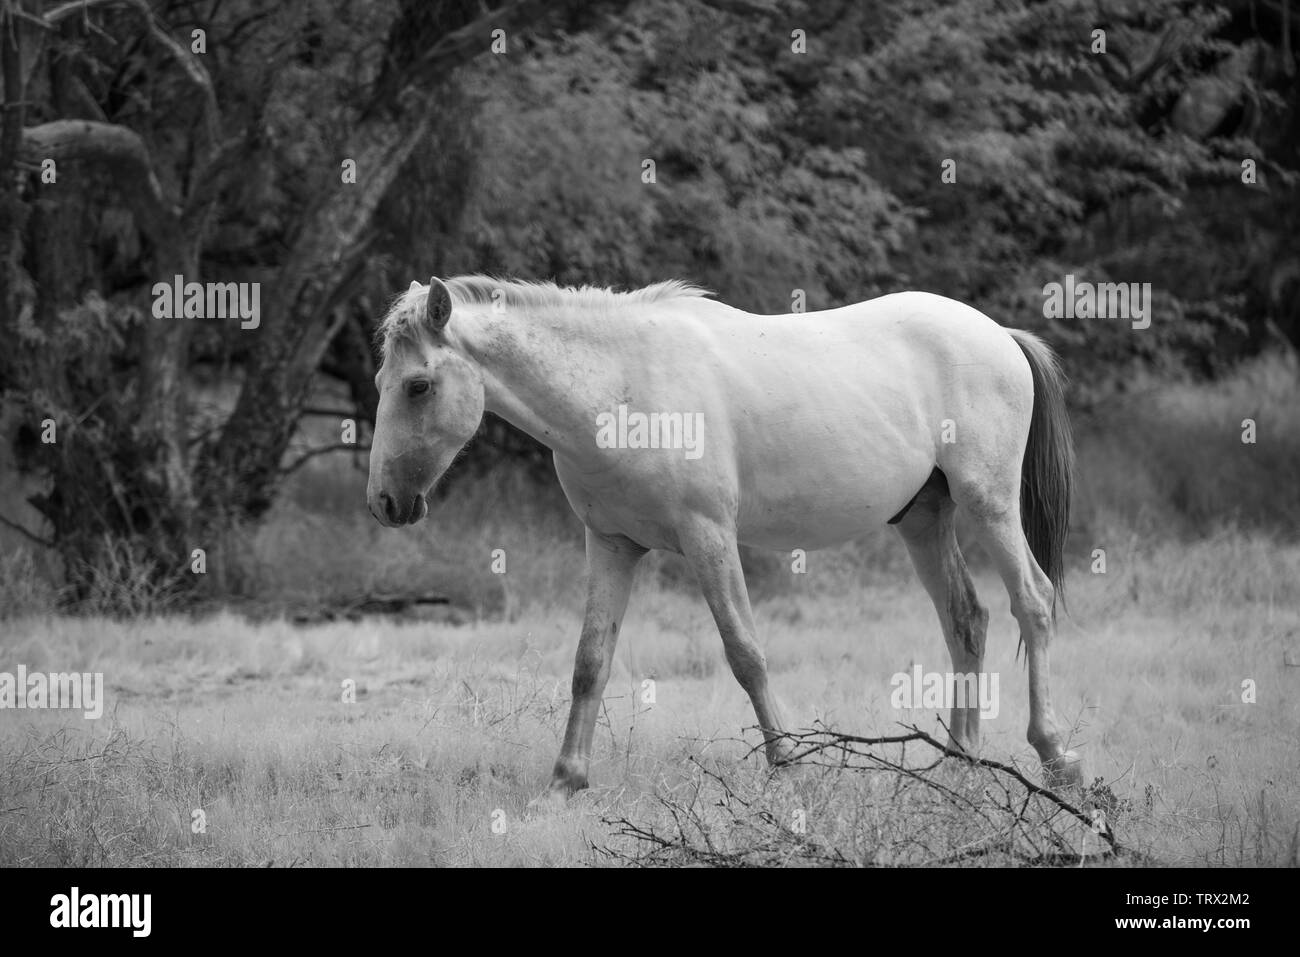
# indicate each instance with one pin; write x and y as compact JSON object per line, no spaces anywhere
{"x":821,"y":740}
{"x":999,"y":814}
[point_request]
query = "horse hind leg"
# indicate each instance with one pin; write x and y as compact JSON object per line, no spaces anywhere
{"x":997,"y":523}
{"x":929,"y":530}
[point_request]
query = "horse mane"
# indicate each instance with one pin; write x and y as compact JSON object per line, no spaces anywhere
{"x":404,"y":319}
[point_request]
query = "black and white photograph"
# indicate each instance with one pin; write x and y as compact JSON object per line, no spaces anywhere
{"x":651,"y":434}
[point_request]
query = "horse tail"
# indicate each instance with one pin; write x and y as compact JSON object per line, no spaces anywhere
{"x":1047,"y":476}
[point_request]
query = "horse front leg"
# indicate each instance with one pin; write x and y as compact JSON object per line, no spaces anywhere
{"x":714,"y":555}
{"x":611,"y":564}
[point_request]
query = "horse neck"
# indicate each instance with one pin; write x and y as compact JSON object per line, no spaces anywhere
{"x":530,"y":363}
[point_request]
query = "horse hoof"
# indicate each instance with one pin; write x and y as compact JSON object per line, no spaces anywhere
{"x":554,"y":798}
{"x":549,"y":802}
{"x":1065,"y":771}
{"x":782,"y":755}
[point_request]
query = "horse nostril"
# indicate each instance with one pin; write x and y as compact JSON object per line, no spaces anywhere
{"x":389,"y":506}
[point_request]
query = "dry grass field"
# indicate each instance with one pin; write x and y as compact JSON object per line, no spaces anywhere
{"x":453,"y":723}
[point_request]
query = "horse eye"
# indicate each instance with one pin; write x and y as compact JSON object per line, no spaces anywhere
{"x":418,"y":387}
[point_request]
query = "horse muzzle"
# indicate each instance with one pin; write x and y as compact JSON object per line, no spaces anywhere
{"x":392,"y":511}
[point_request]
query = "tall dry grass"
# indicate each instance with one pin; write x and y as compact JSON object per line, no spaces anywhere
{"x":1167,"y":459}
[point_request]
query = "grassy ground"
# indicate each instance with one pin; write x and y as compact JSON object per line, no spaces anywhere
{"x":455,"y":727}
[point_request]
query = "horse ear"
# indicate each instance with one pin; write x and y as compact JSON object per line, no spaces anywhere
{"x":437,"y":308}
{"x":415,"y":284}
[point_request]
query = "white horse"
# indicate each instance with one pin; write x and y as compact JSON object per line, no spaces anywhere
{"x":816,"y":427}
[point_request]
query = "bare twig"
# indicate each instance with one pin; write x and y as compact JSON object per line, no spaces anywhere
{"x":312,"y":453}
{"x":1014,"y":818}
{"x":30,"y":535}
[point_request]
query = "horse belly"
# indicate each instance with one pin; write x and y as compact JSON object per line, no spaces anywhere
{"x":815,"y":497}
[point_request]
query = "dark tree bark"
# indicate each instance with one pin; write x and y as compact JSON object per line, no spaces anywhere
{"x":119,"y":469}
{"x":125,"y":467}
{"x":243,"y":467}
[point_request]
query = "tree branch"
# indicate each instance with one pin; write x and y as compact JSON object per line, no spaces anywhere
{"x":331,"y":413}
{"x":120,"y":150}
{"x":194,"y":69}
{"x":312,"y":453}
{"x":452,"y":50}
{"x":30,"y":535}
